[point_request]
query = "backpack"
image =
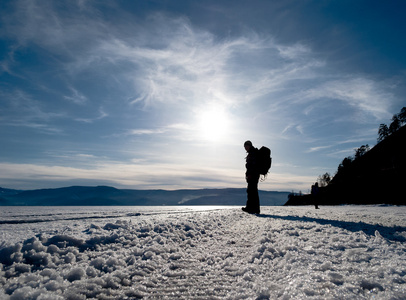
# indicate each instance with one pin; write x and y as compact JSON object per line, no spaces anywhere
{"x":264,"y":160}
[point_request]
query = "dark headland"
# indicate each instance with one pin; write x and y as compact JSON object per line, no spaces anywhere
{"x":378,"y":176}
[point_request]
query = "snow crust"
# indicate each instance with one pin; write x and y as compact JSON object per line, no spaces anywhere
{"x":346,"y":252}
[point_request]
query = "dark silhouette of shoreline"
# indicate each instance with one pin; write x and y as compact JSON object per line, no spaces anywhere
{"x":378,"y":176}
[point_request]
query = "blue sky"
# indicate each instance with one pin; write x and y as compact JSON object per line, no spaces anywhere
{"x":163,"y":94}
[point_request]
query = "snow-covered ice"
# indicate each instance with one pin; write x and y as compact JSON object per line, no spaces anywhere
{"x":345,"y":252}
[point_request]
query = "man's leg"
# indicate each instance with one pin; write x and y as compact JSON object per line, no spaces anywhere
{"x":255,"y":197}
{"x":252,"y":197}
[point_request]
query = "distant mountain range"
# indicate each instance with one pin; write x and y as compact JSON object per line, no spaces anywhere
{"x":105,"y":195}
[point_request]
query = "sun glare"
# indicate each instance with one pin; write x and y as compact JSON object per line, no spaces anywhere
{"x":213,"y":123}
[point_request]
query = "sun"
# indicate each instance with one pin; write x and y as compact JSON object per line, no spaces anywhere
{"x":213,"y":123}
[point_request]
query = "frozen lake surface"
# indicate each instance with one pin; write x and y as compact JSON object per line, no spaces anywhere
{"x":351,"y":252}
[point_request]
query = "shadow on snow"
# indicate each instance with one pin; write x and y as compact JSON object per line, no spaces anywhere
{"x":390,"y":233}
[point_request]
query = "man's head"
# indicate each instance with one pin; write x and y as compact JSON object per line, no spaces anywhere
{"x":247,"y":145}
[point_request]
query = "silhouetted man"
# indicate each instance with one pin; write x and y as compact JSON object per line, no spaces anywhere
{"x":252,"y":178}
{"x":315,"y":194}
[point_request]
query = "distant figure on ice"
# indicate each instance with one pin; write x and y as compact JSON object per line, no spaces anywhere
{"x":252,"y":178}
{"x":315,"y":194}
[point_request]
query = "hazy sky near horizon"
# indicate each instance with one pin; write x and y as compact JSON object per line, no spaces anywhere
{"x":163,"y":94}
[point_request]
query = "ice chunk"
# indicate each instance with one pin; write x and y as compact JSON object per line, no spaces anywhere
{"x":75,"y":274}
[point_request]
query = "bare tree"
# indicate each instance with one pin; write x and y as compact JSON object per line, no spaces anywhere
{"x":402,"y":115}
{"x":361,"y":151}
{"x":395,"y":125}
{"x":383,"y":132}
{"x":397,"y":121}
{"x":345,"y":164}
{"x":324,"y":179}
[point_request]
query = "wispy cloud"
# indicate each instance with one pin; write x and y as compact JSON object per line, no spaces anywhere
{"x":361,"y":93}
{"x":19,"y":109}
{"x":52,"y":25}
{"x":146,"y":131}
{"x":117,"y":174}
{"x":101,"y":115}
{"x":173,"y":61}
{"x":174,"y":128}
{"x":315,"y":149}
{"x":76,"y":96}
{"x":297,"y":128}
{"x":192,"y":66}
